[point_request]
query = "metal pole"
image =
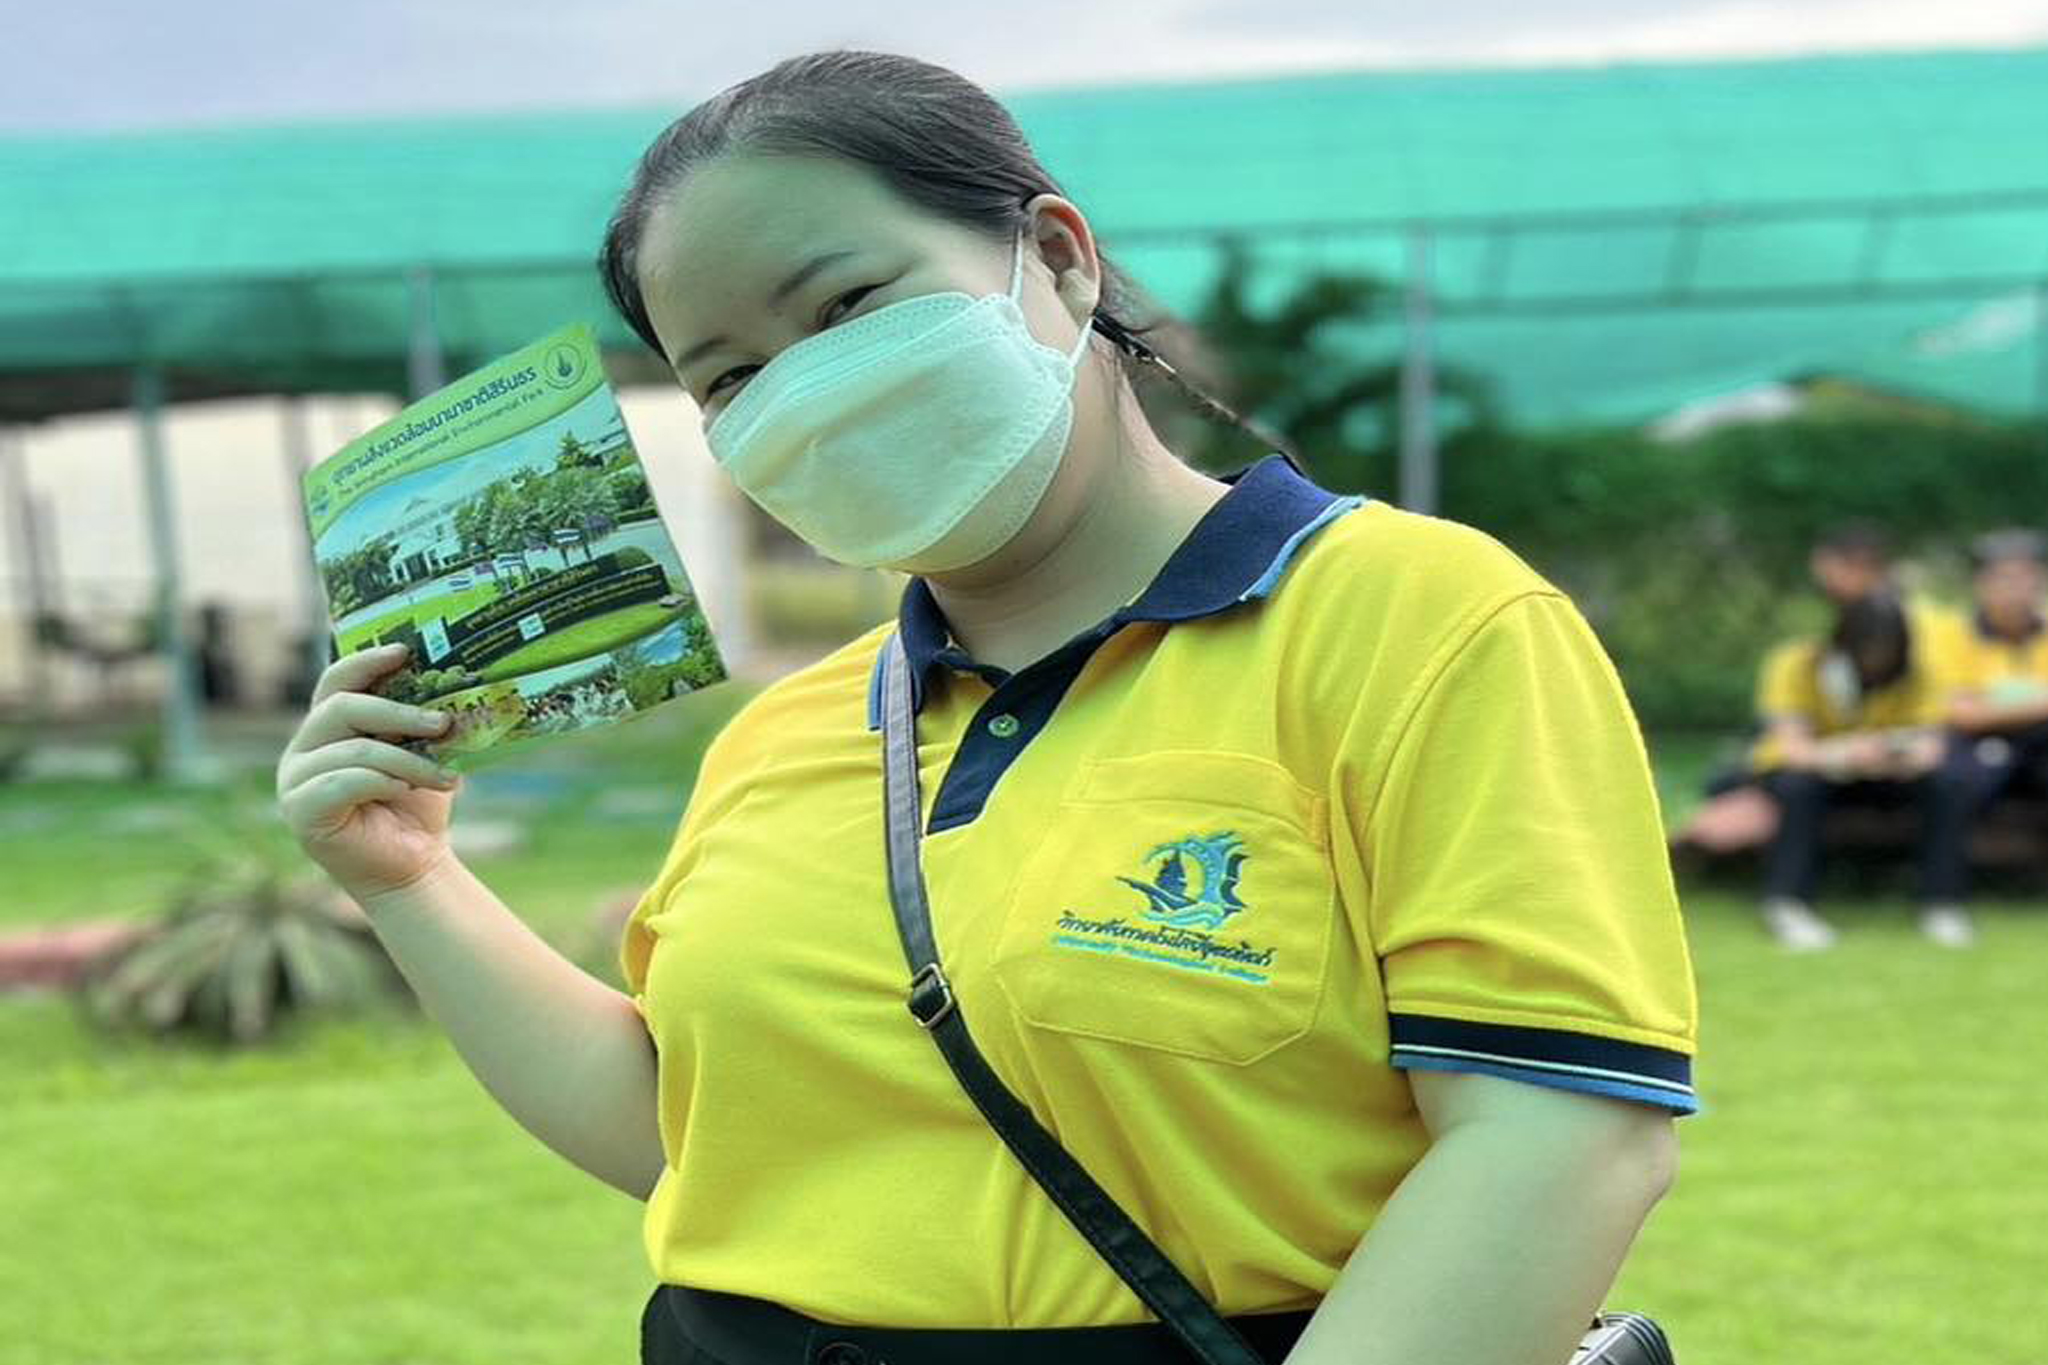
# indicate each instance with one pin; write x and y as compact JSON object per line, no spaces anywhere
{"x":298,"y":458}
{"x":183,"y":760}
{"x":1418,"y":384}
{"x":33,"y":599}
{"x":425,"y":367}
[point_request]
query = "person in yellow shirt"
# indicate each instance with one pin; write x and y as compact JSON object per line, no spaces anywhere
{"x":1992,"y":669}
{"x":1850,"y":561}
{"x":1852,"y":717}
{"x":1294,"y":858}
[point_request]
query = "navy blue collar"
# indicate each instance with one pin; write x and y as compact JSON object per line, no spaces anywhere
{"x":1236,"y":553}
{"x":2036,"y":623}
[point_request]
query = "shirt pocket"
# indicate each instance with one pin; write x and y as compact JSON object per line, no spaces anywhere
{"x":1180,"y":900}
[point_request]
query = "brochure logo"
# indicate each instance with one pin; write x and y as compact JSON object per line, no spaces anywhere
{"x":563,"y":367}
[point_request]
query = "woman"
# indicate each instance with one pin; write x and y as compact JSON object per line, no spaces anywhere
{"x":1294,"y":858}
{"x":1851,"y":718}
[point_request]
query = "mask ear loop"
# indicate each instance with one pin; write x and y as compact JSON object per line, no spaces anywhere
{"x":1017,"y":269}
{"x":1080,"y":345}
{"x":1125,"y":341}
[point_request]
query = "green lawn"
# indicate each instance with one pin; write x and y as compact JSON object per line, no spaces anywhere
{"x":582,"y":640}
{"x":1864,"y":1183}
{"x":447,"y":605}
{"x":560,"y":646}
{"x":351,"y":1198}
{"x":1864,"y":1187}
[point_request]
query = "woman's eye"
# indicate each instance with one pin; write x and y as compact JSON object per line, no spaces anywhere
{"x":717,"y":383}
{"x":825,"y":319}
{"x":828,"y":317}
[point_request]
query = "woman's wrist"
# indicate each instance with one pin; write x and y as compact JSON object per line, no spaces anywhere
{"x":424,"y":889}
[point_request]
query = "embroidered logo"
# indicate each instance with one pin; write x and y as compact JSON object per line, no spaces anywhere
{"x":1217,"y":859}
{"x":1192,"y":893}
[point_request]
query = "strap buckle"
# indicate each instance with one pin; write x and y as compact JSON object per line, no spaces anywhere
{"x":931,"y":995}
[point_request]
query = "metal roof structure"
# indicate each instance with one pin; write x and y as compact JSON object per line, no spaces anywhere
{"x":1601,"y":244}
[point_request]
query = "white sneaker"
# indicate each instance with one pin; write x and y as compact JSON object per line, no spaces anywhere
{"x":1948,"y":925}
{"x":1794,"y":924}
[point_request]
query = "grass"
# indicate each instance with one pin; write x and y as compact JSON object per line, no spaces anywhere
{"x":349,"y":1194}
{"x":350,"y":1197}
{"x":446,"y":605}
{"x":1863,"y":1184}
{"x":1863,"y":1187}
{"x":583,"y":640}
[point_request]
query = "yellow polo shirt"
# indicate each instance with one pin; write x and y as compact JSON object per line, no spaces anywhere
{"x":1791,"y":685}
{"x":1345,"y":790}
{"x":1967,"y":656}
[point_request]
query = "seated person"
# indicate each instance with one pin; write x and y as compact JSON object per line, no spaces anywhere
{"x":1848,"y":562}
{"x":1852,"y":717}
{"x":1992,"y":670}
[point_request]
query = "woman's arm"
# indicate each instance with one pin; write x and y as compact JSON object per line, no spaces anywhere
{"x":1499,"y":1245}
{"x":1974,"y":713}
{"x":1792,"y":738}
{"x":566,"y":1055}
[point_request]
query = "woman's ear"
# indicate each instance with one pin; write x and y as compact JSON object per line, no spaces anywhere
{"x":1065,"y":244}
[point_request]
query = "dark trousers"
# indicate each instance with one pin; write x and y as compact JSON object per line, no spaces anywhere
{"x":1792,"y":867}
{"x":1950,"y":799}
{"x":684,"y":1326}
{"x":1975,"y":771}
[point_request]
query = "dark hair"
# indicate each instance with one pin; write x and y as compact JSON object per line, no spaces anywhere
{"x":1857,"y":540}
{"x":1874,"y":629}
{"x":938,"y":140}
{"x":2013,"y":542}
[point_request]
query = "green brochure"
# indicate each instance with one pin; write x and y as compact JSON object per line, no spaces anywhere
{"x":504,"y":529}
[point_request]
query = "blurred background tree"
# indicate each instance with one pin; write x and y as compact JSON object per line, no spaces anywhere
{"x":1687,"y":555}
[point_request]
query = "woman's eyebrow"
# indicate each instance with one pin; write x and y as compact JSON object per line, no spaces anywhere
{"x":797,"y":279}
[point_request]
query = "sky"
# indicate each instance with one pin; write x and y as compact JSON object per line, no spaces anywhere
{"x":90,"y":65}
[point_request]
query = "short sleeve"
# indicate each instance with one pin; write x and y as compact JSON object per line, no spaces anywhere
{"x":1784,"y":686}
{"x":717,"y":789}
{"x":1523,"y":909}
{"x":636,"y":944}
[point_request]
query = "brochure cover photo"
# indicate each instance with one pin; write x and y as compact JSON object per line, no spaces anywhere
{"x":504,"y":529}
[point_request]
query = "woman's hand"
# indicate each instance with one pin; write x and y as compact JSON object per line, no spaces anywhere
{"x":1860,"y":753}
{"x":374,"y":815}
{"x":1917,"y":752}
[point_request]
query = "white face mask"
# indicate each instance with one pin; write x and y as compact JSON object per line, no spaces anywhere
{"x":917,"y":437}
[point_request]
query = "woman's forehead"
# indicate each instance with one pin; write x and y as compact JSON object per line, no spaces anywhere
{"x":734,"y":220}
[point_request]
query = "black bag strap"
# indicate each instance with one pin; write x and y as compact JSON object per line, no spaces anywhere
{"x":1134,"y":1256}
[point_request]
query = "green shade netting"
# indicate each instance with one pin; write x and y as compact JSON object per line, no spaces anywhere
{"x":1605,"y":242}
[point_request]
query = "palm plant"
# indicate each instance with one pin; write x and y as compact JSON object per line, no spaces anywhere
{"x":251,"y":936}
{"x":1299,"y":365}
